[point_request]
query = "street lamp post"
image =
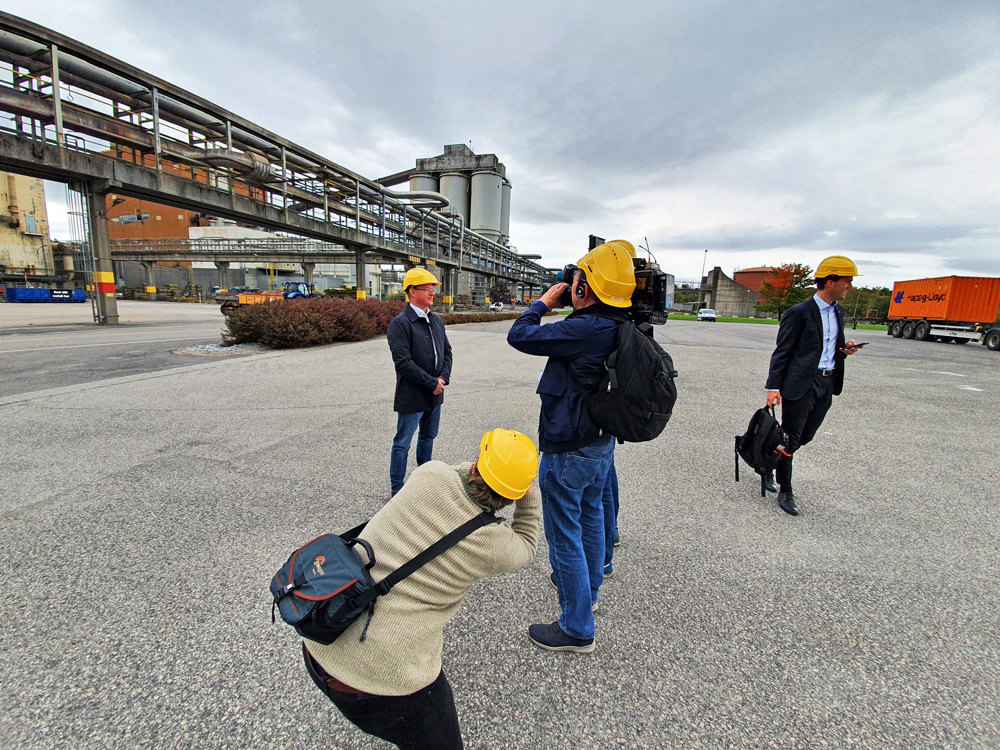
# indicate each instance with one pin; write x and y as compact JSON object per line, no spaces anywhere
{"x":701,"y":280}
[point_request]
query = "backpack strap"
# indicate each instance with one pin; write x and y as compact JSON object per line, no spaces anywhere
{"x":736,"y":457}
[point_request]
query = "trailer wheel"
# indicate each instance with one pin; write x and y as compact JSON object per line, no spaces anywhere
{"x":992,"y":341}
{"x":226,"y":309}
{"x":907,"y":332}
{"x":896,"y":329}
{"x":922,"y":331}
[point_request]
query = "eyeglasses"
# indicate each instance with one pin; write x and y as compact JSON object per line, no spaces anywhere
{"x":422,"y":288}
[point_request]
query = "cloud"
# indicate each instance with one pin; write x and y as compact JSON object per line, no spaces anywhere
{"x":765,"y":132}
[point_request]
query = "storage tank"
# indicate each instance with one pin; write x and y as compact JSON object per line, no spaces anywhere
{"x":424,"y":181}
{"x":455,"y":187}
{"x":969,"y":299}
{"x":505,"y":211}
{"x":484,"y":209}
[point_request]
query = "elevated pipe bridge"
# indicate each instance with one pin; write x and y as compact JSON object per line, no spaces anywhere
{"x":71,"y":113}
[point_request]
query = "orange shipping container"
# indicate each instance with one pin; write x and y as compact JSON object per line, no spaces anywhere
{"x":969,"y":299}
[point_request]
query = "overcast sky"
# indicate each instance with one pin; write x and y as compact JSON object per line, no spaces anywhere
{"x":762,"y":132}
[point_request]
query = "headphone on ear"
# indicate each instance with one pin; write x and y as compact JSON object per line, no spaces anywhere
{"x":578,"y":290}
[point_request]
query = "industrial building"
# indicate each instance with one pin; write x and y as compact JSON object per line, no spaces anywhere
{"x":736,"y":296}
{"x":25,"y":248}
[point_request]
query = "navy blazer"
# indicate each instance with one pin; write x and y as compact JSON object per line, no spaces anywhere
{"x":799,"y":349}
{"x":412,"y":347}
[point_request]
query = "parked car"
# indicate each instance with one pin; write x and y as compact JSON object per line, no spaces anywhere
{"x":706,"y":313}
{"x":496,"y":306}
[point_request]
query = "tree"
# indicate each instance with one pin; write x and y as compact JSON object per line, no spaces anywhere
{"x":788,"y":285}
{"x":500,"y":292}
{"x":860,"y":300}
{"x":685,"y":293}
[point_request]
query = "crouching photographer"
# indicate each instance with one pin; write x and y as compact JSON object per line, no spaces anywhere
{"x":388,"y":680}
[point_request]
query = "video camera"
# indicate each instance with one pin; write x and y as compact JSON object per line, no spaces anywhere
{"x":649,"y":300}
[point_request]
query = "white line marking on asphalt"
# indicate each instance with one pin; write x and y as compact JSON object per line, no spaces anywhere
{"x":108,"y":343}
{"x":968,"y":388}
{"x":936,"y":372}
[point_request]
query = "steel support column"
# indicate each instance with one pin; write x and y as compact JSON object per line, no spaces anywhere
{"x":307,"y":272}
{"x":150,"y":266}
{"x":448,"y":289}
{"x":361,"y":281}
{"x":223,"y":266}
{"x":104,"y":269}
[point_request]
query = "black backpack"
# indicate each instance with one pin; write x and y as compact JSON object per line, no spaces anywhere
{"x":324,"y":586}
{"x":762,"y":446}
{"x":635,"y":396}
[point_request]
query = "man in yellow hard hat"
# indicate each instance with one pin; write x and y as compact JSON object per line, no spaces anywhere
{"x":392,"y":684}
{"x":576,"y":455}
{"x":421,"y":355}
{"x":807,"y":366}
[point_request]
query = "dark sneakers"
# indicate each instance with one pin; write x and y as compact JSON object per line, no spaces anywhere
{"x":786,"y":500}
{"x":552,"y":638}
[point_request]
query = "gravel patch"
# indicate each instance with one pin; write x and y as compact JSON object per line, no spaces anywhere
{"x":221,"y":350}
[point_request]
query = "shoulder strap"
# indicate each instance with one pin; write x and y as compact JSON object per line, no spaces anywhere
{"x":421,"y":559}
{"x":353,"y":533}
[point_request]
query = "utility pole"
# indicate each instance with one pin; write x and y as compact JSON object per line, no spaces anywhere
{"x":701,"y":280}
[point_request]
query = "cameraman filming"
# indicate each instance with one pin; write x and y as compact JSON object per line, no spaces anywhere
{"x":574,"y":470}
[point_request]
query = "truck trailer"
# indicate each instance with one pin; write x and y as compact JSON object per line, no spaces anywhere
{"x":949,"y":308}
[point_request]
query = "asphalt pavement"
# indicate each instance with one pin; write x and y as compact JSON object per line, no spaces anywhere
{"x":144,"y":512}
{"x":58,"y":344}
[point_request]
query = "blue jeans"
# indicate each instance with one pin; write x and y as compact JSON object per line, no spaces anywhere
{"x":609,"y":500}
{"x":572,"y":486}
{"x":406,"y":425}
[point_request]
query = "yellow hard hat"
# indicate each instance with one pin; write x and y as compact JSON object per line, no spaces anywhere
{"x":508,"y":461}
{"x":610,"y":272}
{"x":628,"y":246}
{"x":418,"y":276}
{"x":836,"y":265}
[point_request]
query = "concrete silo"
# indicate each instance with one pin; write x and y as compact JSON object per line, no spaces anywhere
{"x":423,"y":181}
{"x":485,"y":204}
{"x":476,"y":185}
{"x":455,"y":187}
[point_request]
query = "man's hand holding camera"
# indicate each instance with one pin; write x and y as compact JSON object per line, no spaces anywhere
{"x":552,"y":295}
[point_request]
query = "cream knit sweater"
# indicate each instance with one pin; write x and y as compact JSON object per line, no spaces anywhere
{"x":402,"y":650}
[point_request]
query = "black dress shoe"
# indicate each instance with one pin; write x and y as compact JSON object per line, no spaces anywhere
{"x":769,"y":484}
{"x":787,"y":502}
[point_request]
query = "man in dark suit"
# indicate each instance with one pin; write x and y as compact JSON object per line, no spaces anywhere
{"x":422,"y":357}
{"x":807,"y":366}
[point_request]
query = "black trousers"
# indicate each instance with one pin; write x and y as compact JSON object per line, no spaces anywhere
{"x":801,"y":419}
{"x":424,"y":720}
